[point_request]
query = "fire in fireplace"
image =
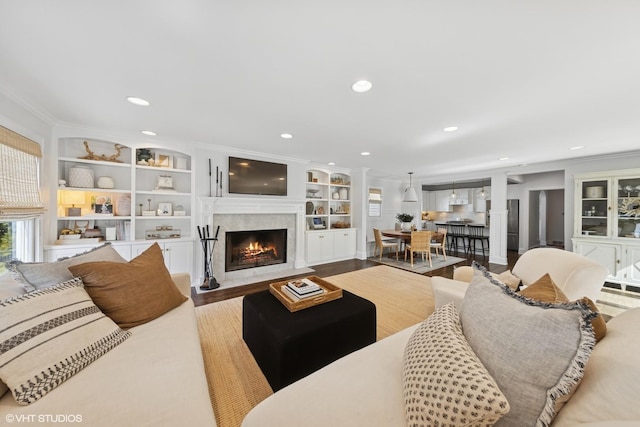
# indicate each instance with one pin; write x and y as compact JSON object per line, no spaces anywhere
{"x":255,"y":248}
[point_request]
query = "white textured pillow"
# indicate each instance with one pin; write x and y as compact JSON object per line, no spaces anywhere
{"x":444,"y":382}
{"x":49,"y":335}
{"x":39,"y":275}
{"x":535,"y":351}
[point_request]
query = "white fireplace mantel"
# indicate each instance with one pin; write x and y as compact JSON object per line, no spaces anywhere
{"x":237,"y":206}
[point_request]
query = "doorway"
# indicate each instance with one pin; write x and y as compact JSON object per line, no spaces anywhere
{"x":546,"y":218}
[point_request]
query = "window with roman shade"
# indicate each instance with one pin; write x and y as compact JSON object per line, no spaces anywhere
{"x":19,"y":176}
{"x":375,"y":202}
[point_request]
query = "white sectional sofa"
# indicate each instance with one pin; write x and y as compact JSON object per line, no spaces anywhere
{"x":154,"y":378}
{"x":367,"y":386}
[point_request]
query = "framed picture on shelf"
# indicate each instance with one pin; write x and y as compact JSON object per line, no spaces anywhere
{"x":165,"y":209}
{"x":103,"y":205}
{"x":163,"y":160}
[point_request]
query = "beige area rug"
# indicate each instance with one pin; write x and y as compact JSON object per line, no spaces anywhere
{"x":236,"y":383}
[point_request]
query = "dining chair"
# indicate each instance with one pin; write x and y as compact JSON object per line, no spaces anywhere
{"x":441,"y":245}
{"x":383,"y":244}
{"x":476,"y":233}
{"x":420,"y":242}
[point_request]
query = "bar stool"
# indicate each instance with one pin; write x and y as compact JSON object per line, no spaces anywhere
{"x":476,"y":233}
{"x":458,"y":232}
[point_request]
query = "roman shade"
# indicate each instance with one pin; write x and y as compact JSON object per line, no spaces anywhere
{"x":19,"y":187}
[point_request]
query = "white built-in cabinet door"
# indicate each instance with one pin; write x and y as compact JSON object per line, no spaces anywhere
{"x":344,"y":243}
{"x":177,"y":255}
{"x":319,"y":247}
{"x":606,"y":254}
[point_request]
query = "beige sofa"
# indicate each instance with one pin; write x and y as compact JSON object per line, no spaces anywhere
{"x":155,"y":378}
{"x":366,"y":387}
{"x":577,"y":276}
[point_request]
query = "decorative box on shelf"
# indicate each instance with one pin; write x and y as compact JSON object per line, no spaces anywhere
{"x":162,"y":232}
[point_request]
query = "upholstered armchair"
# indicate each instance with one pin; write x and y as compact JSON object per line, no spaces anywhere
{"x":576,"y":275}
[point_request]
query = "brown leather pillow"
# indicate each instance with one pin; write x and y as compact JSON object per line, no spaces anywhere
{"x":133,"y":293}
{"x":545,"y":290}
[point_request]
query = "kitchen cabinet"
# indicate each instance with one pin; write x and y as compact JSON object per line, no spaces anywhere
{"x":443,"y":201}
{"x":606,"y":217}
{"x":429,"y":201}
{"x":479,"y":202}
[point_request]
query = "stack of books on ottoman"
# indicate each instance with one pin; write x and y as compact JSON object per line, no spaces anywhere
{"x":300,"y":289}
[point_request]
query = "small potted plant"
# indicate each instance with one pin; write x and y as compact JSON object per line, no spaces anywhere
{"x":405,"y":221}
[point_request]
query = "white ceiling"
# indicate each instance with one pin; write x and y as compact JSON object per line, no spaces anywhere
{"x":521,"y":79}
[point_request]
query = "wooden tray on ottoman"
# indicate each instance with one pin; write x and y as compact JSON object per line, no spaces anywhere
{"x":332,"y":292}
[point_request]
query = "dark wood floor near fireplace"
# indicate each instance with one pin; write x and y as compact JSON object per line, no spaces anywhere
{"x":334,"y":268}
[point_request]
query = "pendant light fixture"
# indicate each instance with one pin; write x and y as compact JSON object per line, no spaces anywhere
{"x":453,"y":190}
{"x":483,"y":193}
{"x":410,"y":192}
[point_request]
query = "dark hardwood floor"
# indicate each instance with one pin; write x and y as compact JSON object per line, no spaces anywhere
{"x":331,"y":269}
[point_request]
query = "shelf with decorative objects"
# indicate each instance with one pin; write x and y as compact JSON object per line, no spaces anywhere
{"x":607,"y":222}
{"x":329,"y":235}
{"x":112,"y":192}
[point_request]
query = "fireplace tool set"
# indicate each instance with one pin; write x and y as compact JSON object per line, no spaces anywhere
{"x":208,"y":244}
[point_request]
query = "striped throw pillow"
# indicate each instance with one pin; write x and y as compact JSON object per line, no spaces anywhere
{"x":49,"y":335}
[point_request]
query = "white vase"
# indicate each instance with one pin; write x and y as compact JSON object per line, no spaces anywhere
{"x":105,"y":182}
{"x":80,"y":177}
{"x":405,"y":226}
{"x":344,"y":195}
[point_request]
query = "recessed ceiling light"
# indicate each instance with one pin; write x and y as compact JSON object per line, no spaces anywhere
{"x":331,"y":163}
{"x":503,"y":158}
{"x":450,"y":129}
{"x":286,"y":136}
{"x":365,"y":153}
{"x":362,"y":86}
{"x":149,"y":132}
{"x":577,"y":147}
{"x":138,"y":101}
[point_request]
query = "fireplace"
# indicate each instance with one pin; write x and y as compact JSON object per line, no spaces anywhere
{"x":255,"y":248}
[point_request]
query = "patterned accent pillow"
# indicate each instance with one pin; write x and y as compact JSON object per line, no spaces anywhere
{"x":536,"y":351}
{"x":444,"y":382}
{"x":39,"y":275}
{"x":49,"y":335}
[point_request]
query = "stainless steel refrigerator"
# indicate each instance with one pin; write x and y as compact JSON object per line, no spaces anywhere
{"x":513,"y":224}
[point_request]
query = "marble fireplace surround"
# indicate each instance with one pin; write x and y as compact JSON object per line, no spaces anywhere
{"x":238,"y":214}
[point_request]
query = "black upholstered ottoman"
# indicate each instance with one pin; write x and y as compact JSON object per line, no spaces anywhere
{"x":289,"y":346}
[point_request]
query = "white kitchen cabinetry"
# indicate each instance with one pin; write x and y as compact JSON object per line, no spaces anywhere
{"x":607,"y":214}
{"x":443,"y":201}
{"x":479,"y":202}
{"x":330,"y":245}
{"x":429,"y":201}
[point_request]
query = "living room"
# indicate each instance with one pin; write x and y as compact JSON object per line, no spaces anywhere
{"x":539,"y":95}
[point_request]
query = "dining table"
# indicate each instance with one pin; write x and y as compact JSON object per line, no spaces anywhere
{"x":405,"y":236}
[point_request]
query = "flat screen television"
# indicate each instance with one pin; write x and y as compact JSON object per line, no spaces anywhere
{"x":248,"y":176}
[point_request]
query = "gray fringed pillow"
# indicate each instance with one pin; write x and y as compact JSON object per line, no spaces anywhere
{"x":535,"y":351}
